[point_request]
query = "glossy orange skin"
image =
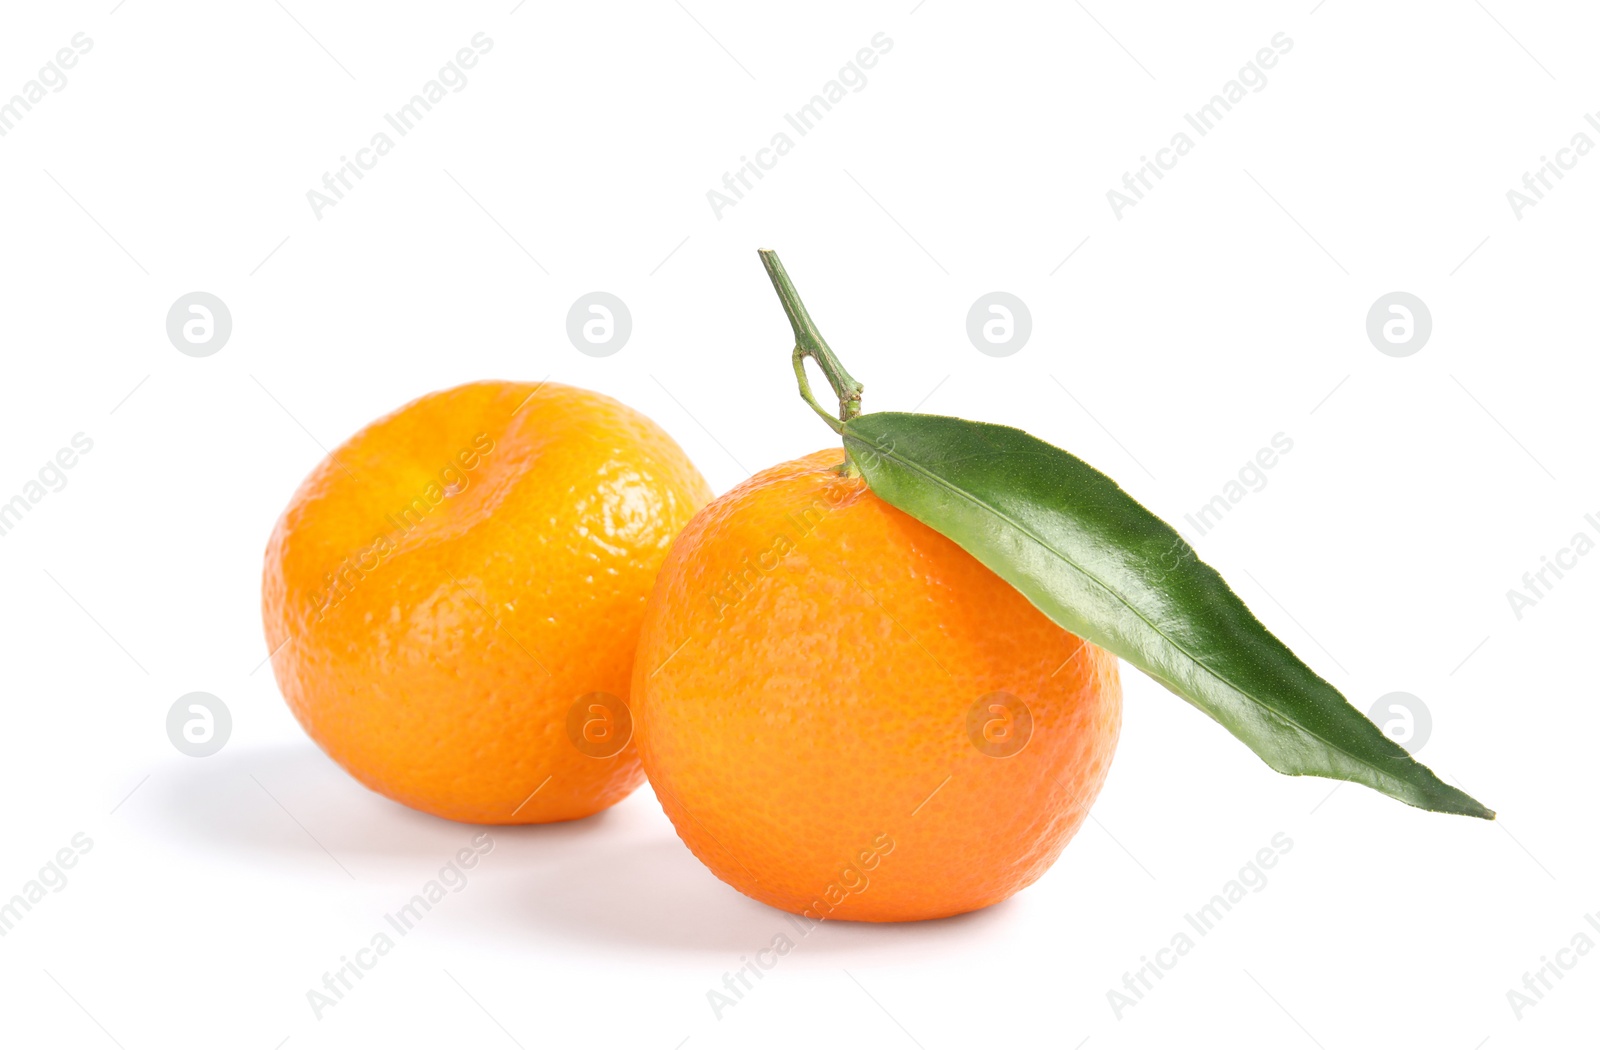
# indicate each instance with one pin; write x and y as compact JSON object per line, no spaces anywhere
{"x":805,"y":672}
{"x":446,"y":586}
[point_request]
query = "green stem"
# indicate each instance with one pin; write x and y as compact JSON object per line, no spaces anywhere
{"x":808,"y":342}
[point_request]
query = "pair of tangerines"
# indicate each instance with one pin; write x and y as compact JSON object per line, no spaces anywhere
{"x":509,"y":603}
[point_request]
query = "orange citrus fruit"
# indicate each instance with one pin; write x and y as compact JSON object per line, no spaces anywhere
{"x":453,"y":598}
{"x":847,"y":716}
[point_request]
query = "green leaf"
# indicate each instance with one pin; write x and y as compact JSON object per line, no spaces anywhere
{"x":1106,"y":569}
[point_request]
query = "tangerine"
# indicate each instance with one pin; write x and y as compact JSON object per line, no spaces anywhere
{"x":453,"y":598}
{"x":847,"y":716}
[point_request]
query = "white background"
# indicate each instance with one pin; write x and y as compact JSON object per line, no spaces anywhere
{"x":1175,"y":341}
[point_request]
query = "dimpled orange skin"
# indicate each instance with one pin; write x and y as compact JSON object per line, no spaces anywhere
{"x":476,"y":604}
{"x":801,"y":695}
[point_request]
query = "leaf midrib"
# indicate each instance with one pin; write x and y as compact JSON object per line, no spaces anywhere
{"x":1039,"y":541}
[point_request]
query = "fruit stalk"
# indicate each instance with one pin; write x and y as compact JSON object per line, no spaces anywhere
{"x":808,"y":342}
